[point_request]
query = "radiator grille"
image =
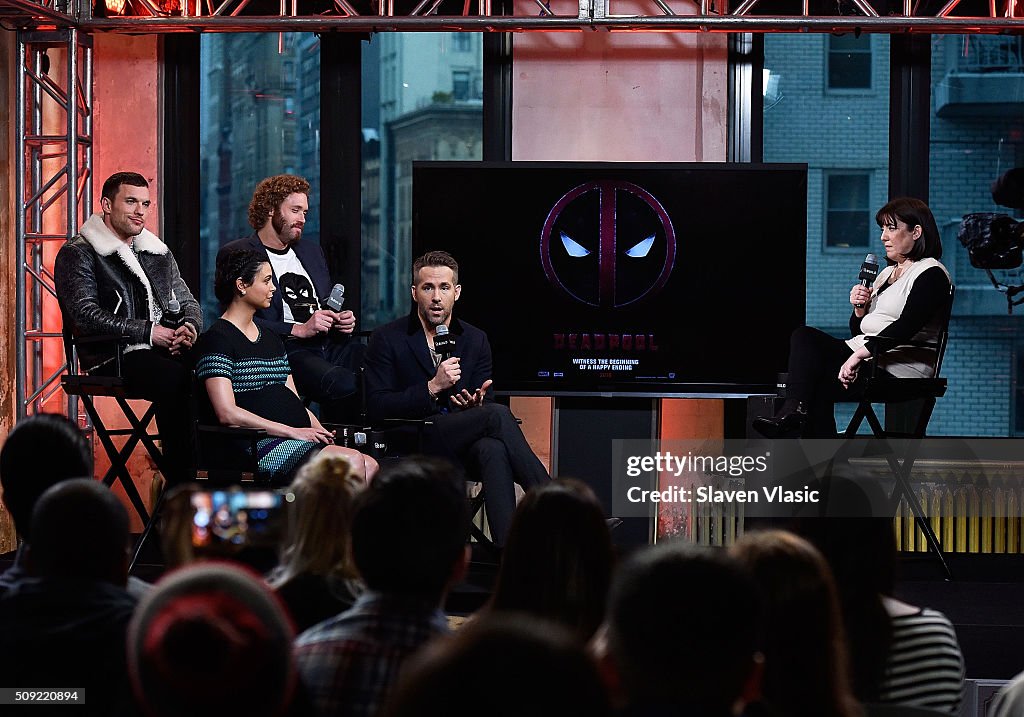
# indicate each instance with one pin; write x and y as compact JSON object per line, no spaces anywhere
{"x":975,"y":508}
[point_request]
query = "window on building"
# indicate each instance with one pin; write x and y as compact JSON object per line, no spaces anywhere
{"x":260,"y":116}
{"x":848,"y":211}
{"x":826,"y":131}
{"x":410,"y":112}
{"x":461,"y":86}
{"x":849,"y":62}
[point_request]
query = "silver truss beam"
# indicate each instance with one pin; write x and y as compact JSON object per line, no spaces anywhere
{"x":53,"y":186}
{"x":560,"y":23}
{"x":730,"y":16}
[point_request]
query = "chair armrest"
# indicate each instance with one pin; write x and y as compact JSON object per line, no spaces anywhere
{"x":120,"y":341}
{"x":332,"y":426}
{"x":101,"y":338}
{"x":885,"y":343}
{"x":396,"y":422}
{"x":234,"y":431}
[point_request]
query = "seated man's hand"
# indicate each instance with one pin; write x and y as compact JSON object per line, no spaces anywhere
{"x":344,"y":321}
{"x":321,"y":320}
{"x":464,"y":399}
{"x":447,"y":375}
{"x":184,"y":338}
{"x":163,"y":337}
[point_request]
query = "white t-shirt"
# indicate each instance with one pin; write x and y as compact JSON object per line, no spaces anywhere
{"x":298,"y":295}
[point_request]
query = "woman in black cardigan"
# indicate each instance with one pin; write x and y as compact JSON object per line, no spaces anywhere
{"x":908,"y":301}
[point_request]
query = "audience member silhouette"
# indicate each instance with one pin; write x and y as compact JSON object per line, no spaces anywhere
{"x":557,"y":562}
{"x":409,"y":530}
{"x":211,"y":640}
{"x":899,"y":653}
{"x":468,"y":674}
{"x":1009,"y":702}
{"x":316,"y":577}
{"x":40,"y":451}
{"x":64,"y":625}
{"x":683,"y":633}
{"x":805,"y":673}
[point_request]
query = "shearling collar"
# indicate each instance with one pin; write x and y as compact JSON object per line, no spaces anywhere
{"x":105,"y":243}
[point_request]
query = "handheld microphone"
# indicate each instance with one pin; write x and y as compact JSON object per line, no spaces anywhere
{"x":868,"y":272}
{"x":444,"y":343}
{"x":173,"y":316}
{"x":335,"y":301}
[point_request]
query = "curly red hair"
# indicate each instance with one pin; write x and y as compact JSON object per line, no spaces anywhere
{"x":270,"y":193}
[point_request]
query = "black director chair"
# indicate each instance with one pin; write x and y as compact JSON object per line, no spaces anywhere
{"x":919,"y":393}
{"x":225,"y":455}
{"x":394,"y":438}
{"x":88,"y":387}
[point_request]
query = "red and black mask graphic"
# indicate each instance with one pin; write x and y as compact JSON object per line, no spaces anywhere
{"x":608,"y":244}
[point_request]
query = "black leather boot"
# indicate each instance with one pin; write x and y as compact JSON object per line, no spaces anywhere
{"x":787,"y":424}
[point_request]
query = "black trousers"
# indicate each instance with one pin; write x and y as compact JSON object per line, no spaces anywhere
{"x":814,"y":362}
{"x":487,"y":440}
{"x":326,"y":370}
{"x":166,"y":380}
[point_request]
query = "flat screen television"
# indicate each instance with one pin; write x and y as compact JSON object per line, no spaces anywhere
{"x":623,"y":278}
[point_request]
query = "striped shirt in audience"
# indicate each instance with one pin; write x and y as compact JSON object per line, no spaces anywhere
{"x":925,"y":667}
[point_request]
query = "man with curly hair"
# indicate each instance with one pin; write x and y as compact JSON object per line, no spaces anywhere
{"x":322,"y":353}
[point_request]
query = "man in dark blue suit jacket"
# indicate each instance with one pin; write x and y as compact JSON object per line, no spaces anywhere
{"x":322,"y":353}
{"x":406,"y":378}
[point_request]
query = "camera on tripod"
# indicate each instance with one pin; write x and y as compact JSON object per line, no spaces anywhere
{"x":996,"y":241}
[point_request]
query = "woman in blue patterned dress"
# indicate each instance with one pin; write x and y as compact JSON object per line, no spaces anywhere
{"x":248,"y":379}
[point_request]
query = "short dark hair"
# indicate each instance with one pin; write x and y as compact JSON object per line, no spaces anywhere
{"x":672,"y":595}
{"x":80,"y":530}
{"x":557,"y":562}
{"x":235,"y":264}
{"x":409,"y":527}
{"x":913,"y":212}
{"x":114,"y":182}
{"x":270,"y":193}
{"x":435,"y":258}
{"x":455,"y":676}
{"x":40,"y":451}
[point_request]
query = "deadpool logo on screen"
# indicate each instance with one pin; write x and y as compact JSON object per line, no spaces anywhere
{"x":608,"y":244}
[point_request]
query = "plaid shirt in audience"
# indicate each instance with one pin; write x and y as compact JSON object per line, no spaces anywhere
{"x":349,"y":663}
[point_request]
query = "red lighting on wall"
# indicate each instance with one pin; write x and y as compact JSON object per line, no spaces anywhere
{"x":144,"y":8}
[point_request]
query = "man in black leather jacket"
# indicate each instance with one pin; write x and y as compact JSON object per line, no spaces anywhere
{"x":117,"y":278}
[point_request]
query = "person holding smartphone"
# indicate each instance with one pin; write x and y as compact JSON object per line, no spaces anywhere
{"x":248,"y":379}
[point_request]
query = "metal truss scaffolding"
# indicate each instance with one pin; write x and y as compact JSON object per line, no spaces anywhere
{"x":54,"y":94}
{"x":53,"y":187}
{"x":732,"y":16}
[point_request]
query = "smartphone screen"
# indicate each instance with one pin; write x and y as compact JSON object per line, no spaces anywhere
{"x":225,"y":520}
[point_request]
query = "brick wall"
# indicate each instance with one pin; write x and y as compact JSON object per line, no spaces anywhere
{"x":846,"y":130}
